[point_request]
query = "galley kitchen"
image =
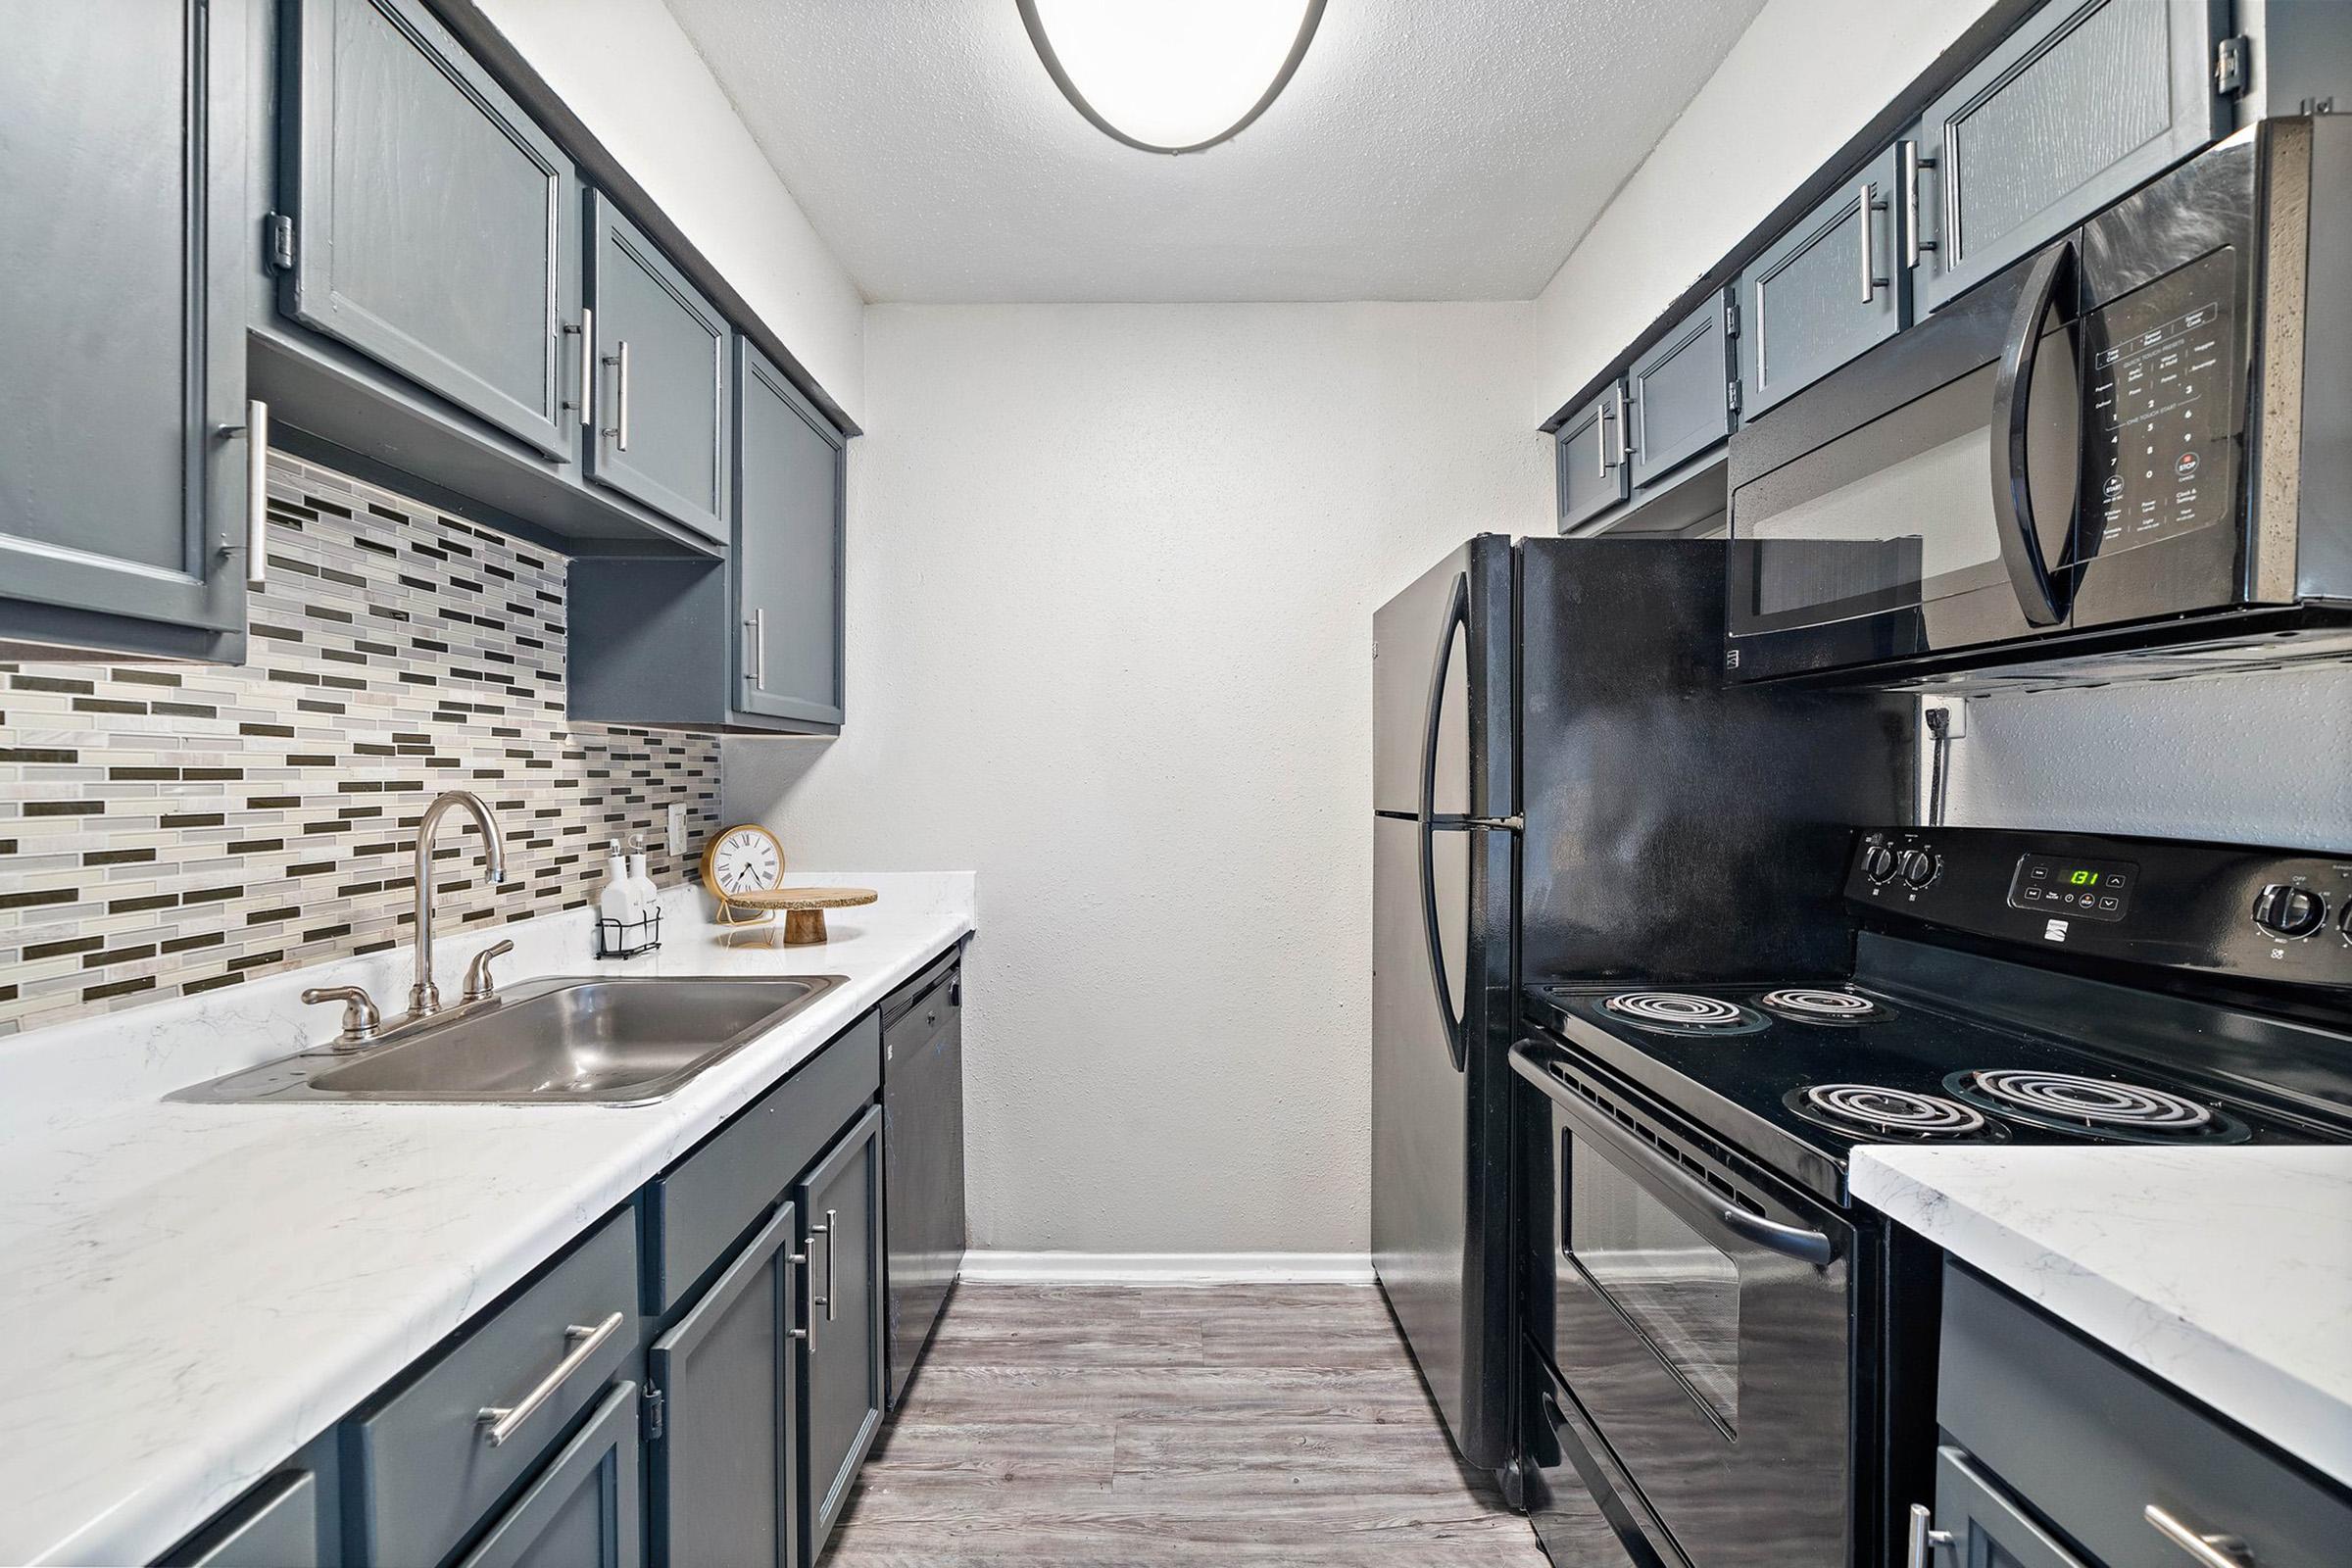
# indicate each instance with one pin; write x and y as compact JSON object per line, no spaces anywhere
{"x":1101,"y":783}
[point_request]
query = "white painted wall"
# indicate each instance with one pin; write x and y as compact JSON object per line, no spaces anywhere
{"x":637,"y":82}
{"x":1806,"y":75}
{"x":1112,"y":571}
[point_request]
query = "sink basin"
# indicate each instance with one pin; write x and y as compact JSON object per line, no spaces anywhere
{"x":623,"y":1041}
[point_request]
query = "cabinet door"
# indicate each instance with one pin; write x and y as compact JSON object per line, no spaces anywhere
{"x":1823,"y":292}
{"x":122,"y":502}
{"x":1592,"y":449}
{"x":787,"y":556}
{"x":721,"y":1471}
{"x":1988,"y":1530}
{"x":436,"y":228}
{"x":662,"y":392}
{"x":841,"y":1203}
{"x":276,"y":1525}
{"x":582,"y":1510}
{"x":1679,"y":394}
{"x":2084,"y":100}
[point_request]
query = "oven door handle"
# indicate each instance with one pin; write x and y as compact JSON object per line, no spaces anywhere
{"x":1816,"y":1247}
{"x":2037,"y":593}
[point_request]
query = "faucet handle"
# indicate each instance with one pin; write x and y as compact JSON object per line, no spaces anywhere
{"x":361,"y":1020}
{"x":479,"y":985}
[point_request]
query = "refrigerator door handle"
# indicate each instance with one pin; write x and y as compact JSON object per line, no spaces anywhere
{"x":1457,"y":616}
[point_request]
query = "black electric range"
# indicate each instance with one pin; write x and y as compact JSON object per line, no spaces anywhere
{"x":1730,"y":1353}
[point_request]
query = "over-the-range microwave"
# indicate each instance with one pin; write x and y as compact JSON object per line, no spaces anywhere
{"x":2129,"y":454}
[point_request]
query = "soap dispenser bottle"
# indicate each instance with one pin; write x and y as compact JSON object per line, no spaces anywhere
{"x":641,"y":883}
{"x":617,"y":900}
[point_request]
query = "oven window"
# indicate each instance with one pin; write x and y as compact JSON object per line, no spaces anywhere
{"x":1678,"y":1290}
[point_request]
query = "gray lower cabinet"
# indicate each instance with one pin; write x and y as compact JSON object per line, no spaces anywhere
{"x":1832,"y":286}
{"x":1592,"y":472}
{"x":123,"y":509}
{"x":1678,"y":395}
{"x":2056,"y":1454}
{"x":840,"y":1207}
{"x":661,"y":383}
{"x":790,"y":523}
{"x":433,"y":226}
{"x":276,"y":1525}
{"x":2084,"y":100}
{"x":583,"y":1511}
{"x":723,"y":1463}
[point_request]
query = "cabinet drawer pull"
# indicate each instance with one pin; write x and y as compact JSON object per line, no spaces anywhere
{"x":1866,"y":203}
{"x":618,"y":429}
{"x":760,"y":649}
{"x":1924,"y":1540}
{"x":498,"y":1422}
{"x":586,"y":331}
{"x":2207,"y":1551}
{"x":1913,"y":163}
{"x":832,"y":1274}
{"x":807,"y":1329}
{"x":256,"y":431}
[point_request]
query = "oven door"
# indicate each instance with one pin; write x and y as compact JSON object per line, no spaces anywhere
{"x":1921,"y":499}
{"x":1702,"y":1323}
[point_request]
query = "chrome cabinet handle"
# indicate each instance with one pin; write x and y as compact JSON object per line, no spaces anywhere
{"x":1913,"y":163}
{"x":807,"y":1329}
{"x":832,"y":1275}
{"x":825,"y":1300}
{"x":256,"y":431}
{"x":1924,"y":1539}
{"x":1867,"y":203}
{"x":586,"y":332}
{"x":498,"y":1422}
{"x":1625,"y":430}
{"x":618,"y":430}
{"x":1600,"y":443}
{"x":2206,"y":1550}
{"x":760,"y":649}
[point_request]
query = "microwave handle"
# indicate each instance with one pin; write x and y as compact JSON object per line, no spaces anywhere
{"x":2038,"y":594}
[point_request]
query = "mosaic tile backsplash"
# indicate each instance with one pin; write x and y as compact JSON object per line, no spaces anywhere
{"x":170,"y":829}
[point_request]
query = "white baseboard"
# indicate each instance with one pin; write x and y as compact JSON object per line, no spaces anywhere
{"x":1168,"y":1268}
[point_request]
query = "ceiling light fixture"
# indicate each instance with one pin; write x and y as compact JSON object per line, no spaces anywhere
{"x":1171,"y":76}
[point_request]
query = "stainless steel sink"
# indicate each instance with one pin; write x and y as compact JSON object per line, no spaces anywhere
{"x":625,"y":1041}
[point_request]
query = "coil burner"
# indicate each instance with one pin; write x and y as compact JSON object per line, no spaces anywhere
{"x":2099,"y":1106}
{"x":1807,"y":1005}
{"x":1678,"y":1013}
{"x":1889,"y":1112}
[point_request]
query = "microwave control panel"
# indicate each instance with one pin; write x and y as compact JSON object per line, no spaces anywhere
{"x":2160,"y":440}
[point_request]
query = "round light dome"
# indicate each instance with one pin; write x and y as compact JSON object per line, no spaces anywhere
{"x":1171,"y":76}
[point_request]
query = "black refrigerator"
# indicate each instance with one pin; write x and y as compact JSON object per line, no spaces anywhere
{"x":1564,"y":788}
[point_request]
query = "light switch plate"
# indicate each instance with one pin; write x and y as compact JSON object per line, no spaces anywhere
{"x":677,"y":830}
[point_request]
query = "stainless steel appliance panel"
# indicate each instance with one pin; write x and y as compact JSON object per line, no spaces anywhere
{"x":922,"y":1142}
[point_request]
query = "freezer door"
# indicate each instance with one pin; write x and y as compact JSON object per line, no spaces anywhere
{"x":1410,"y":634}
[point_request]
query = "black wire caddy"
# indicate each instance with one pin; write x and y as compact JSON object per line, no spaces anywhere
{"x":616,"y":938}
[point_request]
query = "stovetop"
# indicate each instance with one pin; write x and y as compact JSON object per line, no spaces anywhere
{"x":1781,"y":1074}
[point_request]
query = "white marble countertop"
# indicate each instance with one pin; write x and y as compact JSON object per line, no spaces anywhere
{"x":190,"y":1292}
{"x":2226,"y":1272}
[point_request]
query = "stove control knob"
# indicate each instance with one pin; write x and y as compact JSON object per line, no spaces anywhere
{"x":2285,"y":910}
{"x":1918,"y":867}
{"x":1878,"y":863}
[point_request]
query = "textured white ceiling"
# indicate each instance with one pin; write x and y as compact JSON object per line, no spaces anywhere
{"x":1427,"y":149}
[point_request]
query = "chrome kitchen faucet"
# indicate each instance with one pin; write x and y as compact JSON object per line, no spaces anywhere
{"x":425,"y":997}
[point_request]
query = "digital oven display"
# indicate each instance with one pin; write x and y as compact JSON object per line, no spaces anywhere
{"x":2093,"y":890}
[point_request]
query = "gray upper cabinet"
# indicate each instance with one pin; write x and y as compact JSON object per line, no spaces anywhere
{"x":789,"y":501}
{"x":723,"y":1469}
{"x":436,"y":227}
{"x":1679,"y":395}
{"x":582,"y":1511}
{"x":1823,"y":292}
{"x":661,"y":384}
{"x":841,"y":1204}
{"x":1591,"y":452}
{"x":2087,"y":100}
{"x":122,"y":495}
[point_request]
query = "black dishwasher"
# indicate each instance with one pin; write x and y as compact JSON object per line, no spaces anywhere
{"x":922,"y":1155}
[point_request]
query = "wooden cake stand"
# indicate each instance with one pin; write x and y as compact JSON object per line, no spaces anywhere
{"x":804,"y":909}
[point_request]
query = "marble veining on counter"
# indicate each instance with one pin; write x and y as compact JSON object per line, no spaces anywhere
{"x":192,"y":1292}
{"x":2226,"y":1272}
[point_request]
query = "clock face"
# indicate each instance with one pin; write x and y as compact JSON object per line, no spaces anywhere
{"x":745,"y":859}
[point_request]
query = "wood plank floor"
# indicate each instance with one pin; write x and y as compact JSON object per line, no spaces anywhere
{"x":1112,"y":1425}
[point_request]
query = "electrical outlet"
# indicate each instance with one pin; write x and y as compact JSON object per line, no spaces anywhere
{"x":677,"y":830}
